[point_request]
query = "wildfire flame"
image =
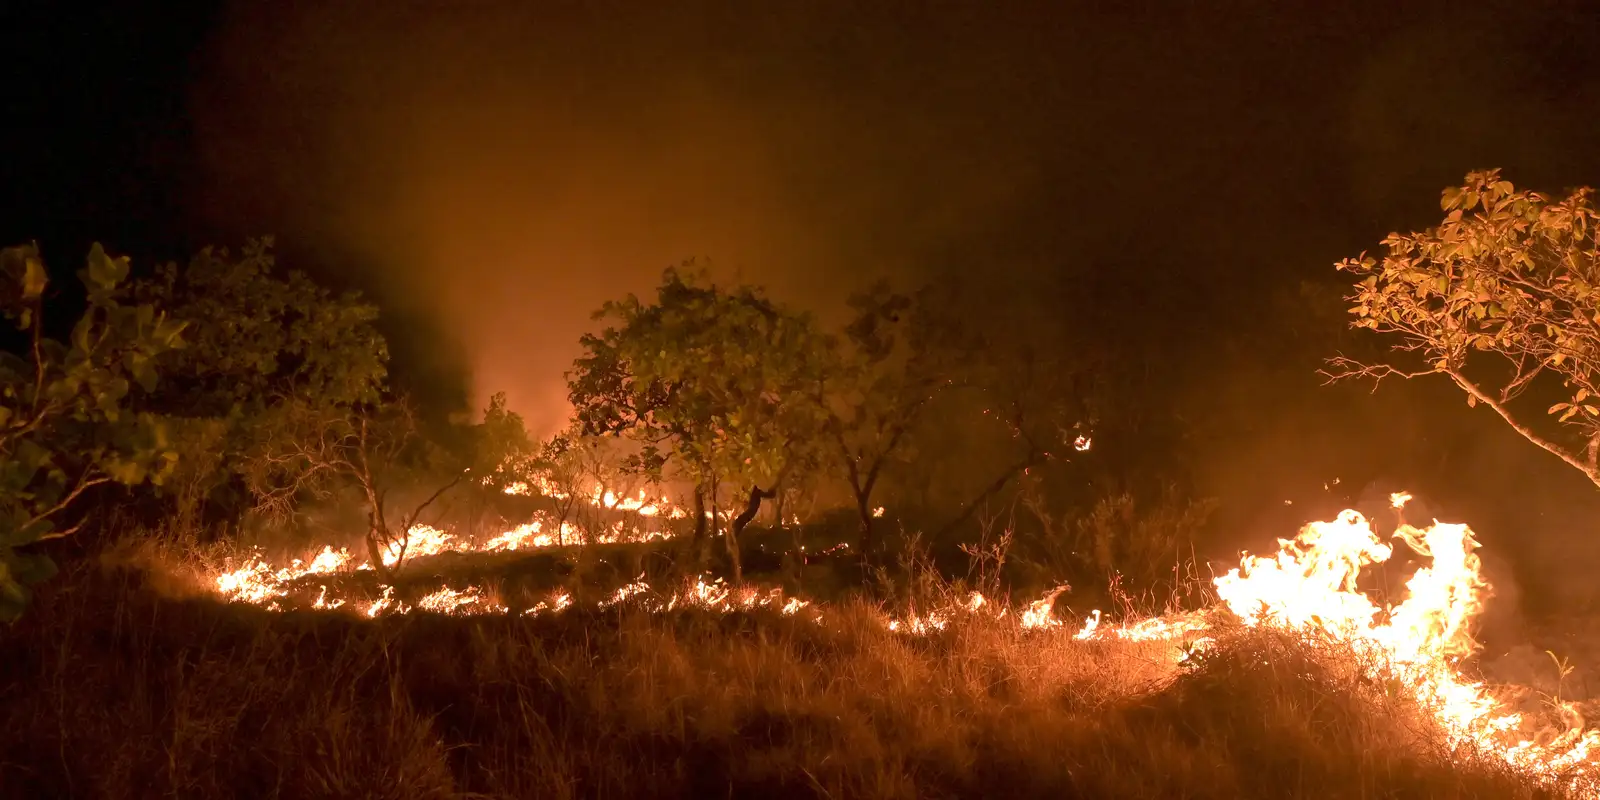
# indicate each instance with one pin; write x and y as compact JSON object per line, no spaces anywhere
{"x":1311,"y":584}
{"x":1308,"y":585}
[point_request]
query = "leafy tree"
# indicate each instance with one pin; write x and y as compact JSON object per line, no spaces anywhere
{"x":501,"y":456}
{"x":884,"y":381}
{"x":708,"y":381}
{"x":64,"y":422}
{"x":1502,"y":298}
{"x":502,"y":452}
{"x":257,"y":340}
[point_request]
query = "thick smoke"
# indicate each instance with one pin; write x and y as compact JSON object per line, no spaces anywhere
{"x":497,"y":170}
{"x":508,"y":167}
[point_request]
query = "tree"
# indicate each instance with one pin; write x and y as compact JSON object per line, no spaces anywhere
{"x":586,"y":477}
{"x":875,"y":399}
{"x":563,"y":468}
{"x":709,"y":382}
{"x":502,"y":452}
{"x":257,"y":340}
{"x":1502,"y":298}
{"x":1018,"y":366}
{"x":305,"y":450}
{"x":64,"y":422}
{"x":502,"y":457}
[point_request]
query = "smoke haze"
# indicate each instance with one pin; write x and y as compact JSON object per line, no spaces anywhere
{"x":1171,"y":182}
{"x":495,"y":171}
{"x":512,"y":168}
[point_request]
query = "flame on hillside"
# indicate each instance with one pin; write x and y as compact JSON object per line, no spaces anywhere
{"x":261,"y":582}
{"x":1308,"y":586}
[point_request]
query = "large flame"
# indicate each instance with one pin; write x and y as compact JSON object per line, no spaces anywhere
{"x":1309,"y":585}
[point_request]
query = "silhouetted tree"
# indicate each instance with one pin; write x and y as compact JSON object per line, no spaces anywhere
{"x":875,"y":397}
{"x":1031,"y":380}
{"x":305,"y":450}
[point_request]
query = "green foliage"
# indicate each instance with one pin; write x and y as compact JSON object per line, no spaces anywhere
{"x":711,"y":379}
{"x":256,"y":337}
{"x":500,"y":457}
{"x":502,"y":452}
{"x":733,"y":390}
{"x":1501,"y":295}
{"x":65,"y":424}
{"x":263,"y":349}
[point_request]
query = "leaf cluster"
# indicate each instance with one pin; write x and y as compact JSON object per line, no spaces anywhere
{"x":1503,"y":293}
{"x":714,"y":380}
{"x":65,"y":421}
{"x":264,"y":348}
{"x":256,"y":337}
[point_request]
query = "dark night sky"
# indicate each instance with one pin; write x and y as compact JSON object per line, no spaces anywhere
{"x":495,"y":170}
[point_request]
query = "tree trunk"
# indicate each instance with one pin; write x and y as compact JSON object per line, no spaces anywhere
{"x":867,"y":537}
{"x":731,"y":540}
{"x":751,"y":509}
{"x":797,"y":551}
{"x":697,"y":544}
{"x":699,"y":515}
{"x":378,"y":539}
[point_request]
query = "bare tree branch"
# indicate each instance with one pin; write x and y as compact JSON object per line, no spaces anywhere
{"x":1344,"y":368}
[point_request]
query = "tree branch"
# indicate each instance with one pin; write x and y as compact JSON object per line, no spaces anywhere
{"x":1527,"y":433}
{"x":993,"y":488}
{"x":84,"y":483}
{"x":1343,"y":368}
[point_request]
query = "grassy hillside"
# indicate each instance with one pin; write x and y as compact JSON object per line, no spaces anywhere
{"x":117,"y":685}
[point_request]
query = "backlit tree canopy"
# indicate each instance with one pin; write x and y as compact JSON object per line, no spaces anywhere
{"x":1503,"y":298}
{"x":707,"y":370}
{"x":705,"y":379}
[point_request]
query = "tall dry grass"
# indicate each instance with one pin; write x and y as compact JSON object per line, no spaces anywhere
{"x":118,"y":686}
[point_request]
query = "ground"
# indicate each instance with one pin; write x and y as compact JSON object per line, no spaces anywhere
{"x":124,"y":682}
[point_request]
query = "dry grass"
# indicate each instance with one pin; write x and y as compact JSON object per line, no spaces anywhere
{"x":112,"y":688}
